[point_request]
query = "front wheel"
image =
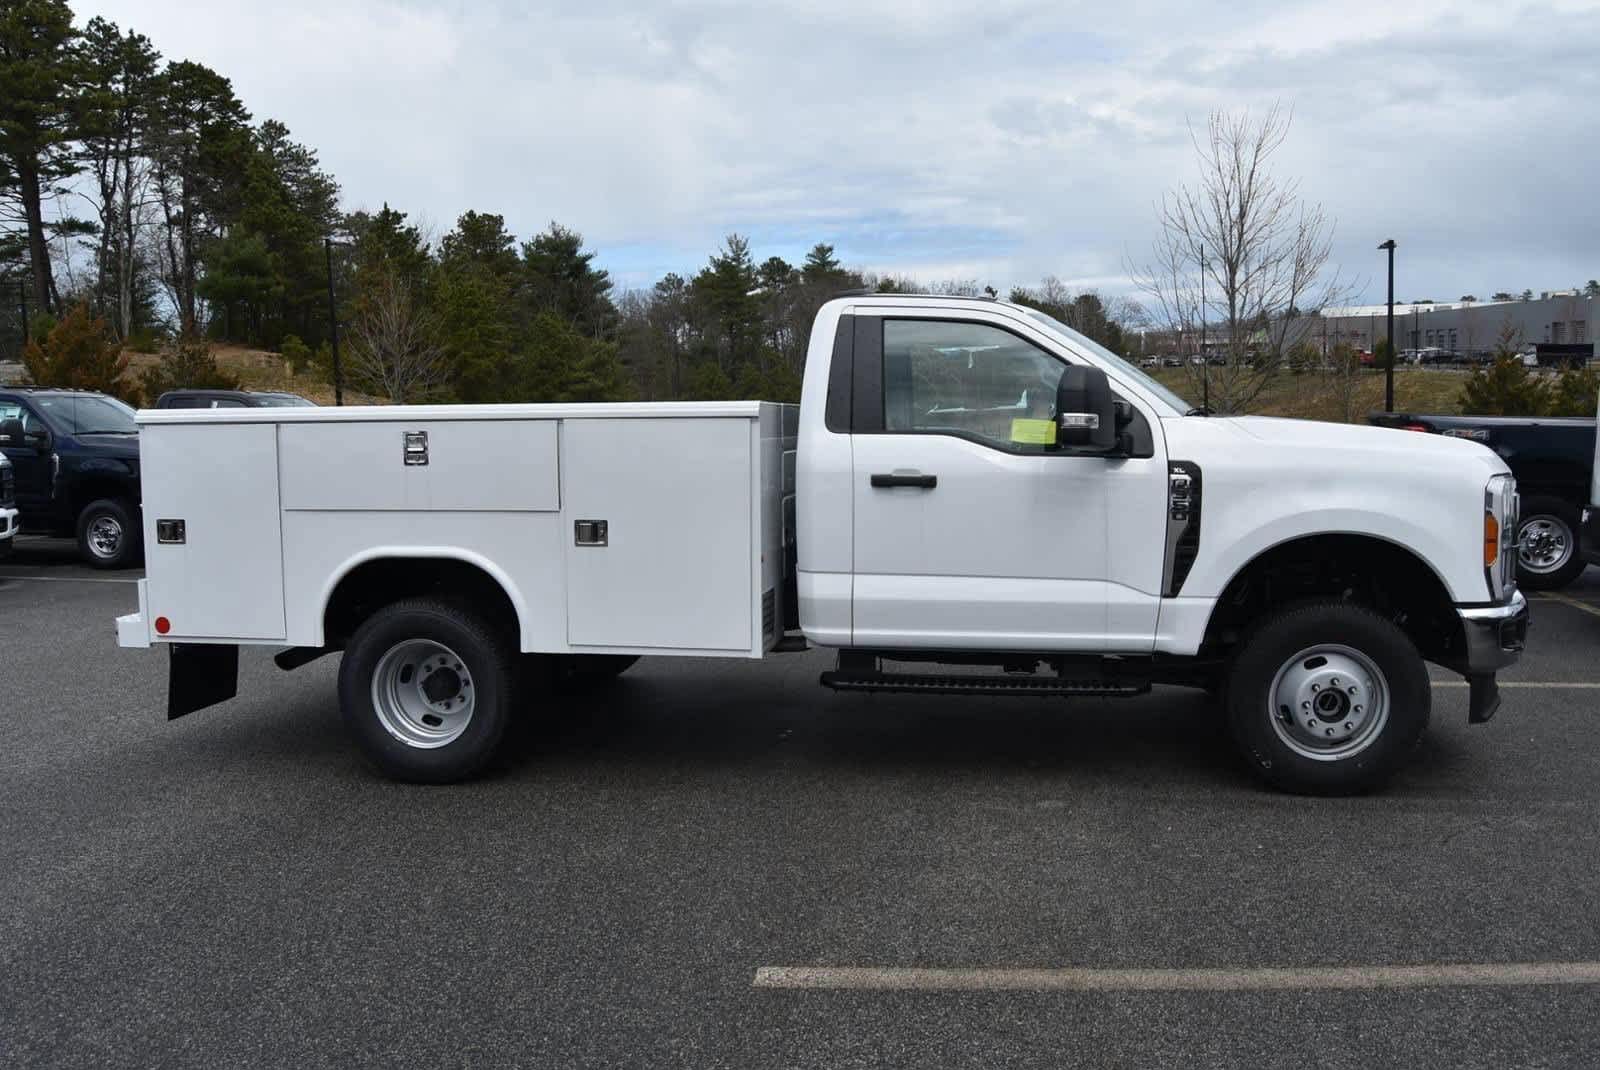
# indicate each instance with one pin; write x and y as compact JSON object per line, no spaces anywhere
{"x":1327,"y":699}
{"x":108,"y":534}
{"x":426,"y":688}
{"x":1547,"y":544}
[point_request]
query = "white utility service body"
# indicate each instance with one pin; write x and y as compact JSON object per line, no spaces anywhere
{"x":964,"y":481}
{"x":279,"y":505}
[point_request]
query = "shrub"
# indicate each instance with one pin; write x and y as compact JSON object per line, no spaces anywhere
{"x":296,"y":352}
{"x":145,"y":339}
{"x":187,"y":364}
{"x":1504,"y":388}
{"x":1576,"y":393}
{"x":79,"y":352}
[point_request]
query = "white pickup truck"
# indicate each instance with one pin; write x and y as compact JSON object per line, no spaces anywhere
{"x":970,"y":498}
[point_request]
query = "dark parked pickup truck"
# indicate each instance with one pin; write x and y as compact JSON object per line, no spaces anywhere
{"x":75,"y":463}
{"x":230,"y":399}
{"x":1553,"y":459}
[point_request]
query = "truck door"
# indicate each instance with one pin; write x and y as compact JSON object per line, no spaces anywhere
{"x":971,"y":530}
{"x":30,"y":463}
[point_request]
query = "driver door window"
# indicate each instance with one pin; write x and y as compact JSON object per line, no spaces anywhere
{"x":969,"y":380}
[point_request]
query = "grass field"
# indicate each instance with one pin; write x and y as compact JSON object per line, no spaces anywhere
{"x":1321,"y":396}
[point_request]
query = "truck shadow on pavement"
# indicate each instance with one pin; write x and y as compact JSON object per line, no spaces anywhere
{"x":651,"y":725}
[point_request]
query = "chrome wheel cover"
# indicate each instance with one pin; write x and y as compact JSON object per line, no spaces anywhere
{"x":1544,"y":544}
{"x":104,"y":536}
{"x":423,"y":694}
{"x":1328,"y":702}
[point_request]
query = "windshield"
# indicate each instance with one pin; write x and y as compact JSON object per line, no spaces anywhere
{"x":1122,"y":367}
{"x":86,"y":414}
{"x":284,"y":401}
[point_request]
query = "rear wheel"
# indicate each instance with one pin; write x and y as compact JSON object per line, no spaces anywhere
{"x":1327,"y":699}
{"x":426,"y":688}
{"x":108,"y":533}
{"x":1547,"y":544}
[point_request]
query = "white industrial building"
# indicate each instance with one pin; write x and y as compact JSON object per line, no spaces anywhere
{"x":1465,"y":328}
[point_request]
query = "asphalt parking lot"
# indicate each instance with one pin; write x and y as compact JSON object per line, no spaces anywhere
{"x":236,"y":888}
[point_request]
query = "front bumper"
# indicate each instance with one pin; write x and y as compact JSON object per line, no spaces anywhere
{"x":1589,"y":533}
{"x":1494,"y":635}
{"x":8,"y":527}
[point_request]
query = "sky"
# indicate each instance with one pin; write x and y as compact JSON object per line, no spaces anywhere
{"x":1000,"y":141}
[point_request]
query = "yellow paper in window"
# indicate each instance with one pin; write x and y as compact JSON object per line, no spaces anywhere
{"x":1033,"y":432}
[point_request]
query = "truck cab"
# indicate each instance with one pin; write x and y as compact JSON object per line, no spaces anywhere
{"x":75,"y":462}
{"x":970,"y":498}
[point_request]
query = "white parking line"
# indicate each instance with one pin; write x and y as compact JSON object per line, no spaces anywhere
{"x":65,"y":579}
{"x":1568,"y":600}
{"x":1269,"y":978}
{"x":1574,"y":685}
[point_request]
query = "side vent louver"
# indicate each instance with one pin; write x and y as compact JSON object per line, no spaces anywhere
{"x":1183,"y":525}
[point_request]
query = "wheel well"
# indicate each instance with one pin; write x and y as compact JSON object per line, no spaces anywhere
{"x":95,"y":488}
{"x":374,"y":584}
{"x":1355,"y":568}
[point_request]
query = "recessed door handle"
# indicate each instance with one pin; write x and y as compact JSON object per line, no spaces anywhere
{"x":904,"y":479}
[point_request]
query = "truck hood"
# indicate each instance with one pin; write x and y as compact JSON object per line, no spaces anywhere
{"x":1267,"y":481}
{"x":1389,"y":446}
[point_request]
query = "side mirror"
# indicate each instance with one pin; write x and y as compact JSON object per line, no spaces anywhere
{"x":40,"y":440}
{"x":11,"y":432}
{"x":1086,"y":418}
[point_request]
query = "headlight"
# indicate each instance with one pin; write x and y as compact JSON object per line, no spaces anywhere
{"x":1500,"y":508}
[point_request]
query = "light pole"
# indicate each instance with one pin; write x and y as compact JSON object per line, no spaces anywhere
{"x":1388,"y":375}
{"x":333,"y":326}
{"x":1205,"y":361}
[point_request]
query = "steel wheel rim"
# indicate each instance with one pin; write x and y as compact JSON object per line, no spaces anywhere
{"x":1328,"y":702}
{"x":1544,"y":544}
{"x":423,"y":694}
{"x":105,"y":536}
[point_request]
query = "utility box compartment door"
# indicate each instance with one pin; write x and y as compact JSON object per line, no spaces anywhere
{"x":672,"y":567}
{"x":225,"y":579}
{"x":461,"y":466}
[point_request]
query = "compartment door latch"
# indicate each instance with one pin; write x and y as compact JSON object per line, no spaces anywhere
{"x":416,"y":451}
{"x":589,"y":532}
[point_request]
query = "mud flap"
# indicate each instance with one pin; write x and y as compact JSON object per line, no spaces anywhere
{"x":1484,"y":697}
{"x":200,"y":675}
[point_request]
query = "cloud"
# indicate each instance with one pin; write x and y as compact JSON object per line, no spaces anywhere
{"x":931,"y":136}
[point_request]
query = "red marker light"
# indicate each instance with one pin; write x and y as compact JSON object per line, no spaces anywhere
{"x":163,"y":626}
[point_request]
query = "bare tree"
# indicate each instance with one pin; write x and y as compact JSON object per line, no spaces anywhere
{"x":394,"y":352}
{"x":1262,"y":250}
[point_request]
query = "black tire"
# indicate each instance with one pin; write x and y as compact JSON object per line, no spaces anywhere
{"x":96,"y":521}
{"x":1259,"y":726}
{"x":1559,"y":518}
{"x":488,"y":658}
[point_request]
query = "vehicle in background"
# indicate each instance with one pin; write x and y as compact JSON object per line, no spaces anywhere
{"x":75,"y":461}
{"x":1553,"y":459}
{"x":1589,"y":525}
{"x":8,"y":507}
{"x":966,"y":483}
{"x":230,"y":399}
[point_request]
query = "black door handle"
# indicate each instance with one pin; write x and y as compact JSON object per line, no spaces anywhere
{"x":894,"y":479}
